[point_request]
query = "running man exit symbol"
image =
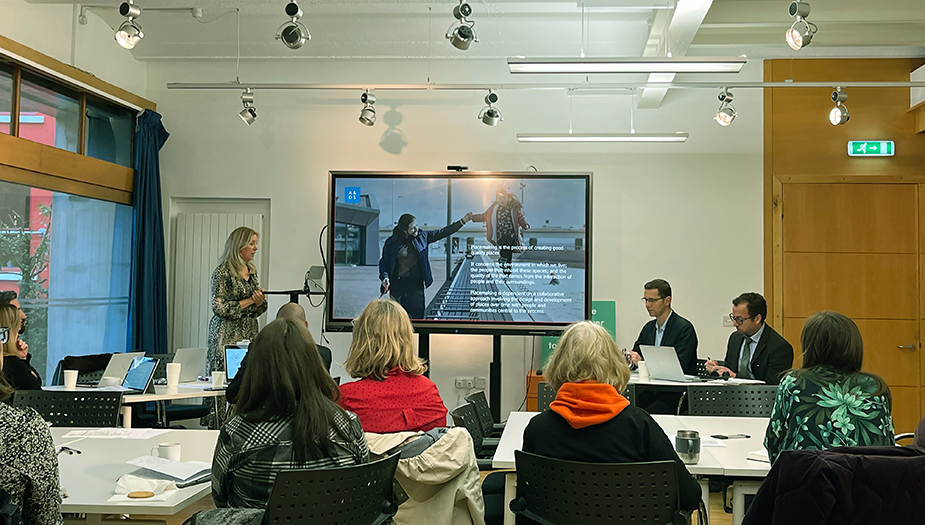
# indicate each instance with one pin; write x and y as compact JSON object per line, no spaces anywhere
{"x":352,"y":195}
{"x":871,"y":148}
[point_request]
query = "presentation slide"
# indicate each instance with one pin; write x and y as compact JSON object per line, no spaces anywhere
{"x":520,"y":259}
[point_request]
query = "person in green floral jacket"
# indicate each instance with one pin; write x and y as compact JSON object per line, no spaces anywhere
{"x":829,"y":402}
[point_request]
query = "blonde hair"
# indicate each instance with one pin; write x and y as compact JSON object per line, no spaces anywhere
{"x":9,"y":317}
{"x":382,"y":339}
{"x":231,"y":258}
{"x":586,"y":351}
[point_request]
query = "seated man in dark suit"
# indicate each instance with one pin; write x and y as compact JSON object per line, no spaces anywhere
{"x":755,"y":350}
{"x":667,"y":329}
{"x":287,"y":311}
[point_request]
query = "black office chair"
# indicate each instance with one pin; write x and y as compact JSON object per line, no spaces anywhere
{"x":544,"y":396}
{"x":731,"y":400}
{"x":558,"y":492}
{"x":89,"y":368}
{"x":465,"y":416}
{"x":73,"y":409}
{"x":359,"y":495}
{"x":630,"y":393}
{"x":490,"y":430}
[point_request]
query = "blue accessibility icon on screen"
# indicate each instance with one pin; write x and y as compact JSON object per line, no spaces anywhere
{"x":352,"y":195}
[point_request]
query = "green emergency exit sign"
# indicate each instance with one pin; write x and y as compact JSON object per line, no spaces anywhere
{"x":870,"y":148}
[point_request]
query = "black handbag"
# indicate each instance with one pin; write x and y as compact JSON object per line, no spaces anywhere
{"x":9,"y":512}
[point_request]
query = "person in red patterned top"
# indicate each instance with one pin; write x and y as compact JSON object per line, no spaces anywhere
{"x":392,"y":395}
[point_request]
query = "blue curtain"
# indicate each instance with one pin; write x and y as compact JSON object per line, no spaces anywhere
{"x":148,"y":302}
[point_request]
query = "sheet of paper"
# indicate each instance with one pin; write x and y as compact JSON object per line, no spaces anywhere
{"x":116,"y":433}
{"x":736,"y":381}
{"x":176,"y":469}
{"x":759,"y":455}
{"x":163,"y":496}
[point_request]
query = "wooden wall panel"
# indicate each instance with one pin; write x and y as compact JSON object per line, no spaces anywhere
{"x":906,"y":410}
{"x":804,"y":142}
{"x":863,"y":286}
{"x":857,"y":218}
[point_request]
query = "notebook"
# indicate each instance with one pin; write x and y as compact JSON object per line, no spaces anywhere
{"x":234,"y":354}
{"x":192,"y":363}
{"x":663,"y":363}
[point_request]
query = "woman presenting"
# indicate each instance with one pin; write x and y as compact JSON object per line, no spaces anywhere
{"x":237,"y":299}
{"x":404,"y":268}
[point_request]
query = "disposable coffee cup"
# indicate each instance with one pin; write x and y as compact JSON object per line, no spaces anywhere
{"x":218,"y":379}
{"x":173,"y":375}
{"x":70,"y":379}
{"x":169,"y":451}
{"x":643,"y":369}
{"x":687,"y":443}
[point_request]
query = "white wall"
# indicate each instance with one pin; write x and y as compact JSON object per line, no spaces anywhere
{"x":52,"y":29}
{"x":689,"y":213}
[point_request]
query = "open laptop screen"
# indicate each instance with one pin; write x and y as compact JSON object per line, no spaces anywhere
{"x":233,"y":357}
{"x":139,"y":373}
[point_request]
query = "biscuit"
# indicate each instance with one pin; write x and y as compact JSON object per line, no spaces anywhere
{"x":141,"y":494}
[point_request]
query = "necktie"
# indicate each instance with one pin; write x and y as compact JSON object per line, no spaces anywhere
{"x":744,"y":357}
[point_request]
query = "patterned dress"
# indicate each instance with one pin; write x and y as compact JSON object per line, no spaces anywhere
{"x":820,"y":408}
{"x":30,"y":466}
{"x":230,"y":323}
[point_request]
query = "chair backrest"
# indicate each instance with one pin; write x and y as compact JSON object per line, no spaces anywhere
{"x":482,"y":411}
{"x":465,"y":416}
{"x":554,"y":491}
{"x":161,"y":371}
{"x":359,"y":494}
{"x":731,"y":400}
{"x":702,"y":368}
{"x":544,"y":396}
{"x":630,"y":393}
{"x":73,"y":409}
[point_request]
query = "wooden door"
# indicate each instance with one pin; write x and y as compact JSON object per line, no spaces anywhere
{"x":855,"y":249}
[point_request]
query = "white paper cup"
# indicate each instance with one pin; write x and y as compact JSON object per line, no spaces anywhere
{"x":110,"y":381}
{"x":169,"y":451}
{"x":643,"y":369}
{"x":218,"y":379}
{"x":173,"y":375}
{"x":70,"y":379}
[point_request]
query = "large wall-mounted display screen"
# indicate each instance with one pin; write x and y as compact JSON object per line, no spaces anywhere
{"x":519,"y":262}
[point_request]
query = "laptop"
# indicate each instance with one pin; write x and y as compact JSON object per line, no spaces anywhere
{"x":192,"y":363}
{"x":234,"y":354}
{"x":663,"y":363}
{"x":117,"y":367}
{"x":140,"y":376}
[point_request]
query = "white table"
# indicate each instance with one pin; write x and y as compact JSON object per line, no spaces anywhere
{"x":90,"y":477}
{"x":161,"y":394}
{"x":714,"y":461}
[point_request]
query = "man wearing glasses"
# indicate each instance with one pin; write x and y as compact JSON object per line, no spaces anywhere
{"x":667,"y":329}
{"x":755,"y":350}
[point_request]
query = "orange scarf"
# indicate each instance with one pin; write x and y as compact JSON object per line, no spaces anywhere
{"x":588,"y":403}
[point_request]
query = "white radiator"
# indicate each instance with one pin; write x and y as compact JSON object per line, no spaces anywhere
{"x":200,"y":240}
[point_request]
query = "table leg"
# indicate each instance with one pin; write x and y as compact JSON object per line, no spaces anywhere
{"x":162,"y":413}
{"x":510,"y":492}
{"x":705,"y":495}
{"x":126,"y":416}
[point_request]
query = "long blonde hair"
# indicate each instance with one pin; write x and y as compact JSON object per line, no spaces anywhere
{"x":382,"y":339}
{"x":586,"y":351}
{"x":9,"y":317}
{"x":231,"y":258}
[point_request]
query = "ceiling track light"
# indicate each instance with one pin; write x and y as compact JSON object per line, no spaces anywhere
{"x":802,"y":31}
{"x":368,"y":113}
{"x":293,"y":33}
{"x":726,"y":112}
{"x":462,"y":32}
{"x":129,"y":32}
{"x":249,"y":113}
{"x":839,"y":114}
{"x":490,"y":116}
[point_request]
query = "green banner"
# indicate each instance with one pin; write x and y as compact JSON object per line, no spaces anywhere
{"x":604,"y":313}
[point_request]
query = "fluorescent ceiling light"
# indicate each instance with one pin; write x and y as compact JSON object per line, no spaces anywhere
{"x":602,"y":137}
{"x":627,"y":65}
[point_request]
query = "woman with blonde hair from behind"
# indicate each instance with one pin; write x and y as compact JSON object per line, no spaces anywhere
{"x":590,"y":421}
{"x":392,"y":394}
